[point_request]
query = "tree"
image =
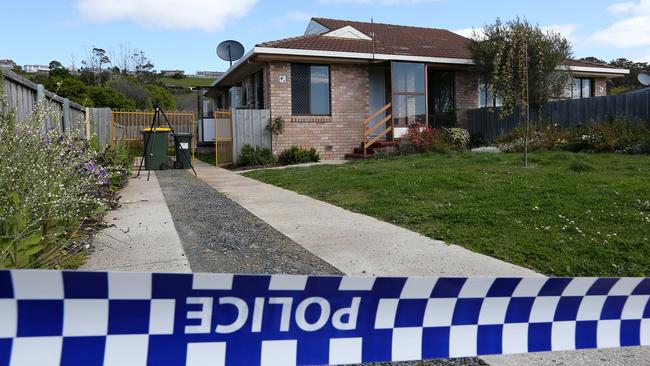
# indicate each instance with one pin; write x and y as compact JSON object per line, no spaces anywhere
{"x":592,"y":59}
{"x":54,"y":65}
{"x":521,"y":64}
{"x":629,"y":81}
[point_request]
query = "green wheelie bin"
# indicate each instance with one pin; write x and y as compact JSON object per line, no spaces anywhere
{"x":183,"y":149}
{"x":155,"y":140}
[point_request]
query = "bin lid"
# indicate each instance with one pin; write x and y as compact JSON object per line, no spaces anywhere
{"x":183,"y":134}
{"x":156,"y":129}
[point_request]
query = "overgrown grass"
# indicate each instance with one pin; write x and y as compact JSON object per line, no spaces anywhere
{"x":187,"y":81}
{"x":567,"y":215}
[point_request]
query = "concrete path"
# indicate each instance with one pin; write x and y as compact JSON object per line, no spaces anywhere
{"x":143,"y":237}
{"x":355,"y":244}
{"x":322,"y":162}
{"x":361,"y":245}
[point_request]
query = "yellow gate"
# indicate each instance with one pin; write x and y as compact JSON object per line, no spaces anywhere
{"x":127,"y":126}
{"x":223,"y":137}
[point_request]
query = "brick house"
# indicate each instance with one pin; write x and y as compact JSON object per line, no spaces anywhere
{"x":345,"y":84}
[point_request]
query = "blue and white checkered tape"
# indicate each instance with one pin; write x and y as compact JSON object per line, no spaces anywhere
{"x":137,"y":319}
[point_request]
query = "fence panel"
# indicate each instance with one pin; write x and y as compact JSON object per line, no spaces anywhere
{"x":127,"y":126}
{"x":250,"y":127}
{"x":567,"y":113}
{"x":23,"y":94}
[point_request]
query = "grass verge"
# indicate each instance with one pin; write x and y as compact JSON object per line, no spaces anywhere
{"x":566,"y":215}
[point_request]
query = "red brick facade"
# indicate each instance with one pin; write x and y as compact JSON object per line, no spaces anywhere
{"x":466,"y":94}
{"x":333,"y":136}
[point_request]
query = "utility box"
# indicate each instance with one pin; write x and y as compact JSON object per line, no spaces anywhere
{"x":183,"y":150}
{"x":155,"y":142}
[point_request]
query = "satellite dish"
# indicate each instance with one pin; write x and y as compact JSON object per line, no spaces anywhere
{"x":230,"y":51}
{"x":644,"y":78}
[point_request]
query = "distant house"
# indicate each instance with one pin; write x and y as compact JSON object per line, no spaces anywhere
{"x":7,"y":64}
{"x":209,"y":74}
{"x":346,"y":83}
{"x":33,"y":69}
{"x":171,"y":73}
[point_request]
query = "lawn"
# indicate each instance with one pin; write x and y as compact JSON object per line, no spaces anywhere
{"x":566,"y":215}
{"x":186,"y":81}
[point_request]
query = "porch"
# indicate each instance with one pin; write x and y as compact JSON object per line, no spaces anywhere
{"x":404,"y":93}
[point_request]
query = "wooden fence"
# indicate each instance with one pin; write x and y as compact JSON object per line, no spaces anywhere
{"x":487,"y":123}
{"x":249,"y":126}
{"x":23,"y":94}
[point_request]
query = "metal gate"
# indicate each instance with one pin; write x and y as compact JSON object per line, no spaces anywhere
{"x":223,"y":137}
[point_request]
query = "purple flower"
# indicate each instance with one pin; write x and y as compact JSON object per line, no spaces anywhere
{"x":102,"y":173}
{"x":89,"y":166}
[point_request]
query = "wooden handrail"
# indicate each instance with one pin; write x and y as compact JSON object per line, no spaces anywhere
{"x":379,"y":136}
{"x":374,"y":115}
{"x":377,"y":125}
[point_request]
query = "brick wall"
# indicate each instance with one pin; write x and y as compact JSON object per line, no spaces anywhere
{"x":333,"y":136}
{"x":600,"y":87}
{"x":466,"y":89}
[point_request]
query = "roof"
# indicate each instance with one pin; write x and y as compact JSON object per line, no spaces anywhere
{"x":389,"y":39}
{"x":581,"y":63}
{"x":371,"y":42}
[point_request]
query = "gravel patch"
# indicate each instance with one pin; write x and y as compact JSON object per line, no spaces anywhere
{"x":218,"y":235}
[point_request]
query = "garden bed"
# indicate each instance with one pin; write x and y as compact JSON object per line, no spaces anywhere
{"x":567,"y":215}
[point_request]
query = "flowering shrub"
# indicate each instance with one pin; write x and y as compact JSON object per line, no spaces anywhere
{"x":458,"y":138}
{"x":51,"y":184}
{"x":421,"y":138}
{"x":615,"y":135}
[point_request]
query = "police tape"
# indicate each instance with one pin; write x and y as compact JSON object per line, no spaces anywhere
{"x":117,"y":318}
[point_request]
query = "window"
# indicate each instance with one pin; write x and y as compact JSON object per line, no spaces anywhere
{"x":441,"y":96}
{"x":582,"y":88}
{"x":310,"y":89}
{"x":409,"y":100}
{"x":486,"y":97}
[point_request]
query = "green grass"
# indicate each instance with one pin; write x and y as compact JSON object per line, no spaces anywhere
{"x":206,"y":158}
{"x":187,"y":81}
{"x":566,"y":215}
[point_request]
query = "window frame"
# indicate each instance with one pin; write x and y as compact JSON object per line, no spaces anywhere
{"x":592,"y":85}
{"x":396,"y":94}
{"x":308,"y":97}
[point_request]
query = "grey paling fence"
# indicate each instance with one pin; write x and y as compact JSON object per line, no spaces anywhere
{"x":567,"y":113}
{"x":23,"y":94}
{"x":249,"y":127}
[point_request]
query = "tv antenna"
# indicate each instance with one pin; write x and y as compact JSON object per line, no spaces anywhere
{"x":644,"y":78}
{"x":230,"y":51}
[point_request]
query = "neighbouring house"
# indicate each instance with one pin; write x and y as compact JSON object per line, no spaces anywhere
{"x":345,"y":85}
{"x":209,"y":74}
{"x":7,"y":64}
{"x":33,"y":69}
{"x":170,"y":73}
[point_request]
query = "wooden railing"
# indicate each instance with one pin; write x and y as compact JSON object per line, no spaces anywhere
{"x":387,"y":122}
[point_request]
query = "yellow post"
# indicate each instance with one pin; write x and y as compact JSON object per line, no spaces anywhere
{"x":193,"y":138}
{"x":216,"y":141}
{"x":112,"y":123}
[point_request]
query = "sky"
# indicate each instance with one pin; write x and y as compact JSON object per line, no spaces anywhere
{"x":183,"y":34}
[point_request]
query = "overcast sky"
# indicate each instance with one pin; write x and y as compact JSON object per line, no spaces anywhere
{"x":183,"y":34}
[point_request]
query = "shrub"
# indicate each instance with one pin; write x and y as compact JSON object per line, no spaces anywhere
{"x":297,"y":155}
{"x":615,"y":135}
{"x":51,"y":187}
{"x":458,"y":138}
{"x":421,"y":138}
{"x":257,"y":156}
